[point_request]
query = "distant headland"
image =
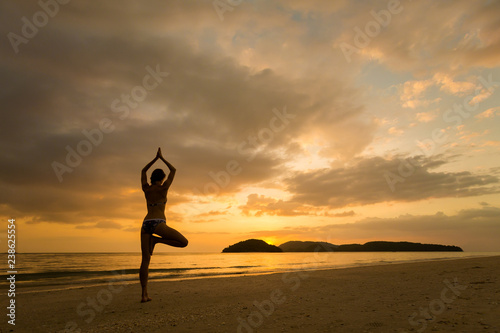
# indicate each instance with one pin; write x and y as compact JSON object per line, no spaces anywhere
{"x":252,"y":245}
{"x":257,"y":245}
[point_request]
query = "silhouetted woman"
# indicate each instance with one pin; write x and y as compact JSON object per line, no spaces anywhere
{"x":155,"y":221}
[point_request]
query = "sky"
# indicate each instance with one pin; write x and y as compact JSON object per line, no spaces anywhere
{"x":337,"y":121}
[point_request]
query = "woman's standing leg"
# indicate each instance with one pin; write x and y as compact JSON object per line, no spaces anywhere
{"x":144,"y":271}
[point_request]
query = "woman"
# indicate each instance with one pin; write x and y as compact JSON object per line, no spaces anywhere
{"x":155,"y":221}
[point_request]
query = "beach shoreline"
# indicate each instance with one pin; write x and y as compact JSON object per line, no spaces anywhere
{"x":457,"y":295}
{"x":38,"y":279}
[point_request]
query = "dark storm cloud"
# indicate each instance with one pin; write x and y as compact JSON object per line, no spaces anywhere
{"x":86,"y":58}
{"x":364,"y":182}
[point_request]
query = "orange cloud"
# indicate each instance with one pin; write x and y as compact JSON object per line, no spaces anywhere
{"x":490,"y":113}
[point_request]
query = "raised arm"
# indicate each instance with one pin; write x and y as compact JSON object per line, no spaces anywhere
{"x":144,"y":177}
{"x":171,"y":175}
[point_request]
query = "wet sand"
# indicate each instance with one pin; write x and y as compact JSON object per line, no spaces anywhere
{"x":459,"y":295}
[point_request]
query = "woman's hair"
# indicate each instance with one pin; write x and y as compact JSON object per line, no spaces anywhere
{"x":157,"y":175}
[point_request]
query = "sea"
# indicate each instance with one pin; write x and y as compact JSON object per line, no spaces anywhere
{"x":36,"y":272}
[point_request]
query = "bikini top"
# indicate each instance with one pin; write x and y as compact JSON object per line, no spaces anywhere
{"x":157,"y":203}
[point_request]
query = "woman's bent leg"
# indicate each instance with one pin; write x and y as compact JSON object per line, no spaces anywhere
{"x":169,"y":236}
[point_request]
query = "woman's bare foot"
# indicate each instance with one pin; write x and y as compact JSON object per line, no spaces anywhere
{"x":145,"y":299}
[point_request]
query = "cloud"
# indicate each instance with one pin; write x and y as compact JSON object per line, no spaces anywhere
{"x":490,"y":113}
{"x":458,"y":88}
{"x":102,"y":225}
{"x":395,"y":131}
{"x":210,"y":216}
{"x":365,"y":182}
{"x":258,"y":205}
{"x":343,"y":214}
{"x":490,"y":143}
{"x":425,"y":117}
{"x":412,"y":92}
{"x":481,"y":96}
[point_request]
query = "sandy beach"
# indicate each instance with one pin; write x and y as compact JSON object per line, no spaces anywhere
{"x":460,"y":295}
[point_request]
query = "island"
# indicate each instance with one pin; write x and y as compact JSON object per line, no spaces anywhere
{"x":257,"y":245}
{"x":308,"y":246}
{"x":252,"y":245}
{"x":380,"y":246}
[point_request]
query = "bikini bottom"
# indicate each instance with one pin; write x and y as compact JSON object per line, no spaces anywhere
{"x":149,"y":226}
